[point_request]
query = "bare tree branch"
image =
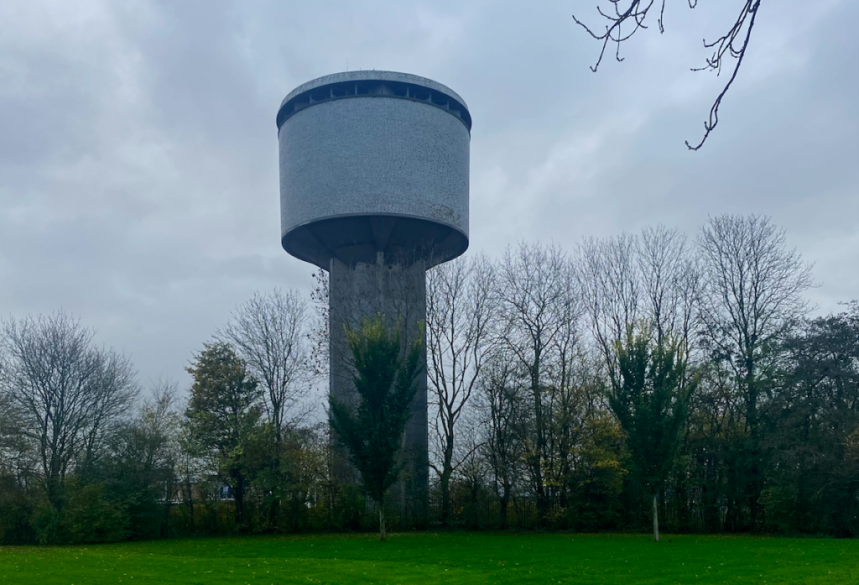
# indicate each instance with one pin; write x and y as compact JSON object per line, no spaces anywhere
{"x":636,"y":12}
{"x":724,"y":45}
{"x":460,"y":306}
{"x":635,"y":16}
{"x":535,"y":288}
{"x":268,"y":333}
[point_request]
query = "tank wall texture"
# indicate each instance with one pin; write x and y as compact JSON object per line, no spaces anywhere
{"x":397,"y":292}
{"x":374,"y":156}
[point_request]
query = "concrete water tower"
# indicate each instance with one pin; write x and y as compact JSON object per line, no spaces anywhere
{"x":374,"y":189}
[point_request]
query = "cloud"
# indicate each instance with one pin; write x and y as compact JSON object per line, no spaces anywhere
{"x":138,"y":151}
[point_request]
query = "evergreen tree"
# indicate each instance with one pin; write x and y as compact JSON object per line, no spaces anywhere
{"x":650,"y":396}
{"x":385,"y":372}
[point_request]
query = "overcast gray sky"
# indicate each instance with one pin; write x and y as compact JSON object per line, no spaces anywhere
{"x":138,"y":148}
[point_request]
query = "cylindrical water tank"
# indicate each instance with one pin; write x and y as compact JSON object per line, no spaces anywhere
{"x":370,"y":162}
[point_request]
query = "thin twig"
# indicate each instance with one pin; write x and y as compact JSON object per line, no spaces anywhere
{"x":724,"y":46}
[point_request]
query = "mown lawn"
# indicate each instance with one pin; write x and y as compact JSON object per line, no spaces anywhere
{"x":440,"y":558}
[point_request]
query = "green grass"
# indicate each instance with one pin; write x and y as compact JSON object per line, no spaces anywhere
{"x":470,"y":558}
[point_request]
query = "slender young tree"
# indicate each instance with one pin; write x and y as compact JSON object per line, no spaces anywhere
{"x":535,"y":287}
{"x":502,"y":408}
{"x":459,"y":310}
{"x":385,"y":376}
{"x":650,"y":396}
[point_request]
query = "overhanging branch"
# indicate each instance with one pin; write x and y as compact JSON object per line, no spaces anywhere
{"x":635,"y":16}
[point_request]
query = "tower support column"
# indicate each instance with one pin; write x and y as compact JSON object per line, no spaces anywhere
{"x":396,"y":290}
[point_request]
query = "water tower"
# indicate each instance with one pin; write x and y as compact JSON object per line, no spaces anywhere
{"x":374,"y":189}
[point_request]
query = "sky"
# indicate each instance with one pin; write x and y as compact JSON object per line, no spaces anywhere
{"x":139,"y":156}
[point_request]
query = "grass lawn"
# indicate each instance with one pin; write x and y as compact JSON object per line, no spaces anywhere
{"x":439,"y":558}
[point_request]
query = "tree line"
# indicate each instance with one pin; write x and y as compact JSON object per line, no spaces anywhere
{"x":633,"y":381}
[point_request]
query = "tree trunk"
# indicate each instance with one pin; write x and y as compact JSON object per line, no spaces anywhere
{"x":274,"y":514}
{"x":655,"y":519}
{"x":239,"y":498}
{"x":445,"y":497}
{"x":382,"y":534}
{"x":274,"y":511}
{"x":754,"y":436}
{"x":537,"y":467}
{"x":475,"y":514}
{"x":190,"y":502}
{"x":168,"y":500}
{"x":446,"y":472}
{"x":503,"y":505}
{"x":55,"y":491}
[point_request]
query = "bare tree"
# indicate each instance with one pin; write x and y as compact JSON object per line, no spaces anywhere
{"x":566,"y":398}
{"x":627,"y":17}
{"x":534,"y":288}
{"x":607,"y":271}
{"x":500,"y":404}
{"x":460,"y":309}
{"x":268,"y":332}
{"x":751,"y":295}
{"x":670,"y":281}
{"x":113,"y":391}
{"x":65,"y":390}
{"x":628,"y":278}
{"x":472,"y":471}
{"x":16,"y":453}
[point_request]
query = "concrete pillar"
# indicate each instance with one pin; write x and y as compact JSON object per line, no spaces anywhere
{"x":397,"y":291}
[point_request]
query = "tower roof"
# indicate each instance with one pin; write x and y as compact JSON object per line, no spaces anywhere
{"x":391,"y":84}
